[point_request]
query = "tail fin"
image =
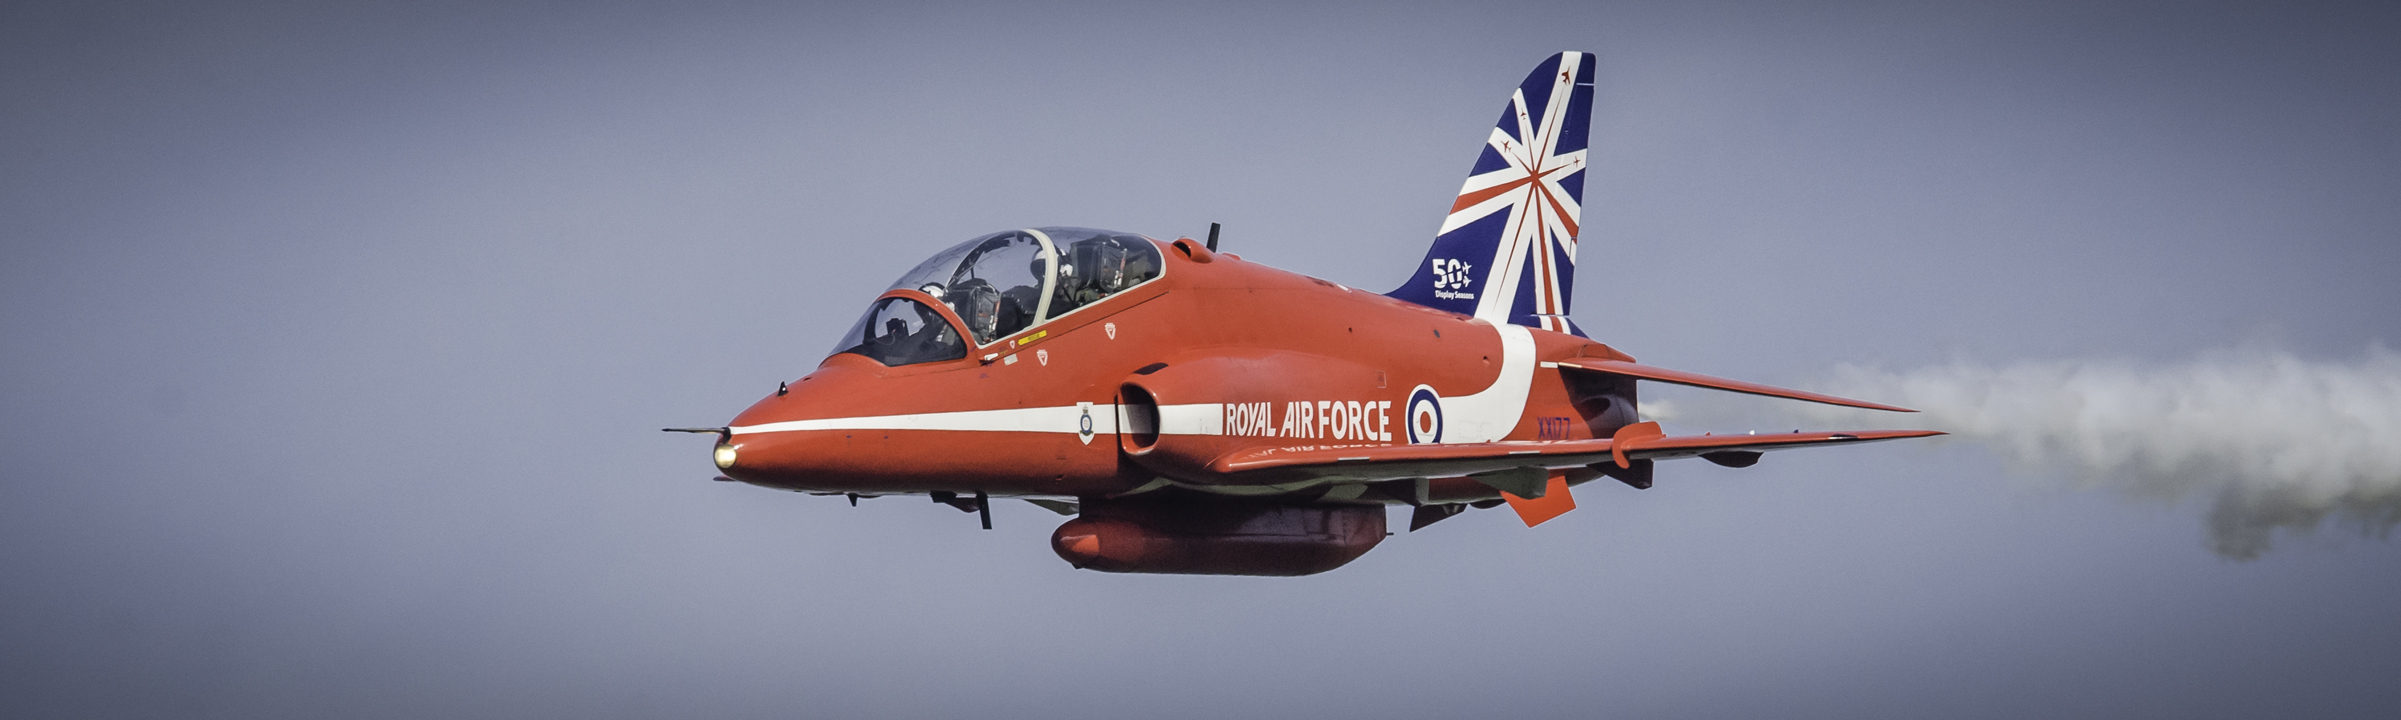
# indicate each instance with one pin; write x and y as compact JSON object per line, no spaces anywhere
{"x":1507,"y":252}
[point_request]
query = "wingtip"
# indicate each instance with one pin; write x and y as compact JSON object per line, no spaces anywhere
{"x":1876,"y":435}
{"x":1861,"y":404}
{"x":1906,"y":434}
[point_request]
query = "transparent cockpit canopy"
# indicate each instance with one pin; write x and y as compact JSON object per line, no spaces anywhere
{"x":997,"y":286}
{"x":899,"y":331}
{"x":1095,"y":264}
{"x":1009,"y":281}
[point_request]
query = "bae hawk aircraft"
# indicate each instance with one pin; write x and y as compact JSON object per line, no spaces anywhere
{"x":1198,"y":413}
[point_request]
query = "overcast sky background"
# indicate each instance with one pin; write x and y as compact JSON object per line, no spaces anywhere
{"x":337,"y":339}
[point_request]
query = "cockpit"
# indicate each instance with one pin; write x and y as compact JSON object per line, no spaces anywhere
{"x":1000,"y":284}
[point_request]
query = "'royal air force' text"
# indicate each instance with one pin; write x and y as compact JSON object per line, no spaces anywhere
{"x":1369,"y":420}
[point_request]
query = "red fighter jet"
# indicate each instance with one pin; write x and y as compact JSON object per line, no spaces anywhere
{"x":1198,"y":413}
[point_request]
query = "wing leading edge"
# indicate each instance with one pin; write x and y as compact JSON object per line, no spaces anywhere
{"x":1679,"y":377}
{"x":1395,"y":462}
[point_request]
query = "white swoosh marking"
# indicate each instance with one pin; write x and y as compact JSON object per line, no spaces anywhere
{"x":1491,"y":414}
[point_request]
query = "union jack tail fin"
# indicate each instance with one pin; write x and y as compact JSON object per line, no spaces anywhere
{"x":1507,"y":251}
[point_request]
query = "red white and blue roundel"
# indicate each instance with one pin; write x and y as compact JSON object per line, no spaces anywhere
{"x":1425,"y":416}
{"x":1507,"y":250}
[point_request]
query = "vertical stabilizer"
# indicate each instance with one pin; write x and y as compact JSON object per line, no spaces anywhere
{"x":1507,"y":251}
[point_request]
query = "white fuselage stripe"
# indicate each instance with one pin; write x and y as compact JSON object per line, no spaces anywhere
{"x":1194,"y":419}
{"x":1485,"y":416}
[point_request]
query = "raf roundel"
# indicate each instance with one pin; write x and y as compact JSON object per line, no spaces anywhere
{"x":1425,"y":416}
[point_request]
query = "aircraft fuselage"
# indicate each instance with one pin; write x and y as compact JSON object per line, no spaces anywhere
{"x":1234,"y":354}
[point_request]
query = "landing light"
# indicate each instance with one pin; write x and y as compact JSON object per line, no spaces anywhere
{"x":725,"y":456}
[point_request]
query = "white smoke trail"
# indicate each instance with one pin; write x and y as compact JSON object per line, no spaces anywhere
{"x":2280,"y":442}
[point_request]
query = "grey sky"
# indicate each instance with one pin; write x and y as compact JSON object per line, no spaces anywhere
{"x":338,"y":339}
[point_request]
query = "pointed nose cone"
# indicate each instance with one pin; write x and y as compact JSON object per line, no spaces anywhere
{"x":767,"y":459}
{"x":793,"y":440}
{"x":725,"y":455}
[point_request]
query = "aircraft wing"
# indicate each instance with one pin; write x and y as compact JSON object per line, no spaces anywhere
{"x":1393,"y":462}
{"x":1679,"y":377}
